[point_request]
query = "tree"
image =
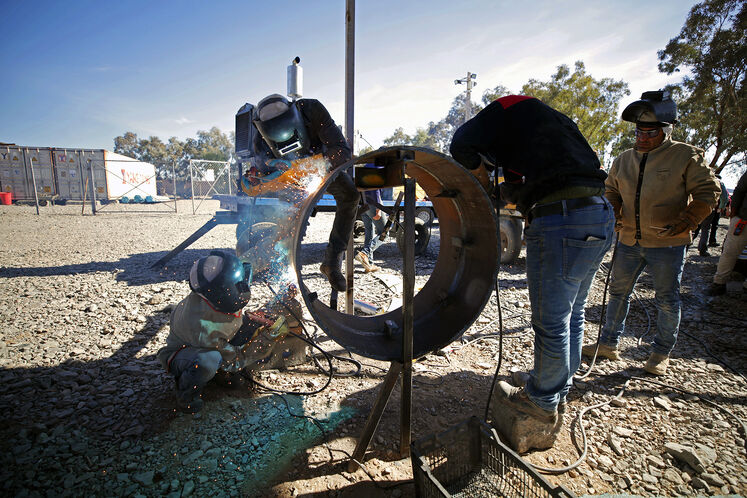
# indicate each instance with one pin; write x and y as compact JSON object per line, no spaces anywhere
{"x":592,"y":104}
{"x":712,"y":99}
{"x":127,"y":145}
{"x":490,"y":95}
{"x":399,"y":137}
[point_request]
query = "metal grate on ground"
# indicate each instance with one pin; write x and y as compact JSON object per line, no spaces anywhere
{"x":467,"y":460}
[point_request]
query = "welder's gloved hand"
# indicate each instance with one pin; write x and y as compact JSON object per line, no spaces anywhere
{"x":279,"y":164}
{"x":695,"y":212}
{"x":279,"y":328}
{"x":675,"y":228}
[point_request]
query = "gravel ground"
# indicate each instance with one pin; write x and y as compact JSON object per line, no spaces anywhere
{"x":88,"y":411}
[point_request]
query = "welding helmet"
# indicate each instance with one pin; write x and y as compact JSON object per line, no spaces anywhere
{"x":281,"y":125}
{"x":223,"y":280}
{"x":653,"y":109}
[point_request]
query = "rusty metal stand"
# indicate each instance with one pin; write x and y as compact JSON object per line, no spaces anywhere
{"x":405,"y":365}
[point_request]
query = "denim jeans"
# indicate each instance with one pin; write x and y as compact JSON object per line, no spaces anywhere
{"x":665,"y":265}
{"x":372,"y":229}
{"x":193,"y":368}
{"x":563,"y":254}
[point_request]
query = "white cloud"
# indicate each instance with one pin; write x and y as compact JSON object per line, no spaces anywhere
{"x":182,"y":121}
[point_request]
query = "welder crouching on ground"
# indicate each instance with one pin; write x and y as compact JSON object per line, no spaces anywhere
{"x":554,"y":177}
{"x":661,"y":190}
{"x":303,"y":128}
{"x":203,"y":324}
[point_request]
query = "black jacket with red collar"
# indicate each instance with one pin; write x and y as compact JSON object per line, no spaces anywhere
{"x":540,"y":149}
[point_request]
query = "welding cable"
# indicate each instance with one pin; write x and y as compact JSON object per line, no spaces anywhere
{"x":580,"y":421}
{"x":310,"y":340}
{"x":500,"y":334}
{"x":250,"y":378}
{"x":717,"y":358}
{"x":702,"y":398}
{"x":701,"y":342}
{"x":325,"y":443}
{"x":639,"y":338}
{"x":602,"y":315}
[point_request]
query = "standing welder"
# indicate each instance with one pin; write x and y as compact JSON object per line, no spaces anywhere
{"x":554,"y":177}
{"x":661,"y":191}
{"x":298,"y":129}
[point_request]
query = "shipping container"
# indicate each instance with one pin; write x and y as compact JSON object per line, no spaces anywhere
{"x":17,"y":177}
{"x":65,"y":174}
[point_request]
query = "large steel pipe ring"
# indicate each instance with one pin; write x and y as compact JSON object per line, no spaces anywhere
{"x":462,"y":279}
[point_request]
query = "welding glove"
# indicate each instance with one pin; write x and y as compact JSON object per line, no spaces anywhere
{"x":279,"y":164}
{"x":695,"y":212}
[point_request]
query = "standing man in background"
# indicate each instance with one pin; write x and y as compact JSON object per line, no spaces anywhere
{"x":554,"y":178}
{"x":373,"y":224}
{"x":735,"y":241}
{"x":661,"y":191}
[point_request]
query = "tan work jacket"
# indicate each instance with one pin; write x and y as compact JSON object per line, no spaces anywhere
{"x":194,"y":323}
{"x":653,"y":189}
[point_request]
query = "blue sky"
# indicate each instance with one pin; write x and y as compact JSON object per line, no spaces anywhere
{"x":79,"y":73}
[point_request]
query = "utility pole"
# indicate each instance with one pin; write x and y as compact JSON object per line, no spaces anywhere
{"x":470,"y":84}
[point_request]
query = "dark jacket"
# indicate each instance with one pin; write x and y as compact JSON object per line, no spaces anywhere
{"x":540,"y":149}
{"x":738,"y":204}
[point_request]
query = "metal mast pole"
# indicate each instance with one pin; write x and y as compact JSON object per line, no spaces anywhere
{"x":349,"y":128}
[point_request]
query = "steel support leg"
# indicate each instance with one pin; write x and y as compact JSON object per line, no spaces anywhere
{"x":220,"y":218}
{"x":373,"y":419}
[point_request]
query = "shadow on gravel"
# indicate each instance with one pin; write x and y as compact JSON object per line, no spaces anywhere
{"x":437,"y":404}
{"x":134,"y":269}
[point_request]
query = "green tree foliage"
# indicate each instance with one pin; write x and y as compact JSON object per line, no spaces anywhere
{"x":212,"y":145}
{"x":592,"y":104}
{"x":712,"y":99}
{"x":437,"y":135}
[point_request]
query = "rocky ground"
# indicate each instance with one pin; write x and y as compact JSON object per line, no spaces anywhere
{"x":88,"y":411}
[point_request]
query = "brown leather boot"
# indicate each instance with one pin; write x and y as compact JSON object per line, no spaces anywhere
{"x":605,"y":351}
{"x":657,"y":364}
{"x":367,"y":265}
{"x":331,"y":269}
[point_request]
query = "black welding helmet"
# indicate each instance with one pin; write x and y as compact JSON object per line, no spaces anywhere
{"x":653,"y":109}
{"x":281,"y":125}
{"x":223,"y":280}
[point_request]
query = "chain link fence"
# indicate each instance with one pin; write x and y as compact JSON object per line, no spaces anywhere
{"x":209,"y":178}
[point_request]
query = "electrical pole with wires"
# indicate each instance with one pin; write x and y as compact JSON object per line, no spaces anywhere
{"x":468,"y":100}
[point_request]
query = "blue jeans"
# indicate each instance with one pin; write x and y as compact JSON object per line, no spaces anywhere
{"x":563,"y":254}
{"x":372,"y":229}
{"x":665,"y":265}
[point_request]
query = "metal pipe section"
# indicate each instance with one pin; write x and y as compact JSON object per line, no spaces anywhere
{"x":462,"y":279}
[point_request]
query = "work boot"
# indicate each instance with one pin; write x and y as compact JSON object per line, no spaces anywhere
{"x":716,"y":290}
{"x":188,"y":398}
{"x":520,"y":379}
{"x":657,"y":364}
{"x":605,"y":351}
{"x":704,"y":253}
{"x":331,"y":269}
{"x":367,"y":265}
{"x":521,"y":422}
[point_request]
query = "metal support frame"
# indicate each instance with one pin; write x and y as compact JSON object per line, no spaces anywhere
{"x":220,"y":218}
{"x":33,"y":178}
{"x":93,"y":187}
{"x":405,"y":365}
